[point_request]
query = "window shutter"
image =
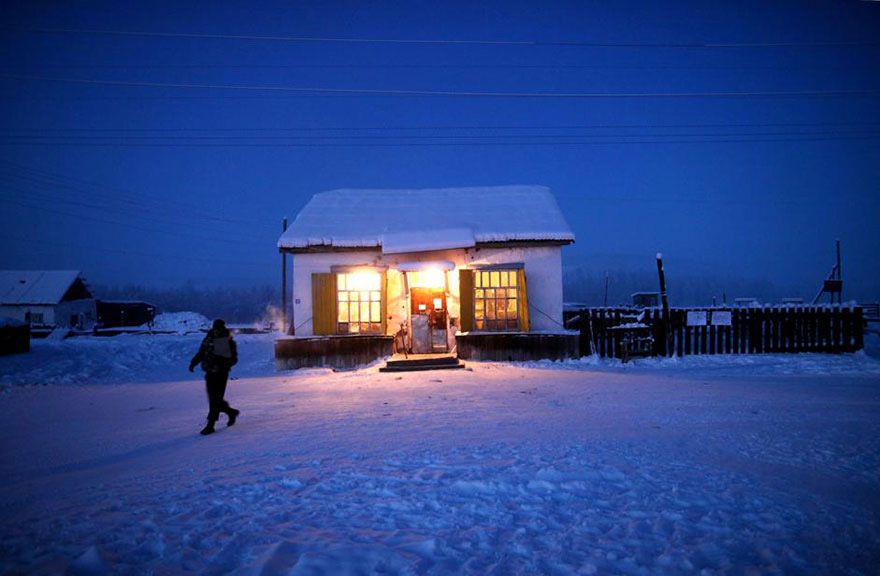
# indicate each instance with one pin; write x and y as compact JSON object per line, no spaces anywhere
{"x":522,"y":301}
{"x":383,"y":302}
{"x":466,"y":301}
{"x":324,"y":303}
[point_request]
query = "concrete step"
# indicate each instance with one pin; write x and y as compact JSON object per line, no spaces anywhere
{"x":421,"y":368}
{"x":417,"y":361}
{"x":420,"y":364}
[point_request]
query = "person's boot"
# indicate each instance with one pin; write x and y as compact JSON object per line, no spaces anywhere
{"x":208,"y":429}
{"x":232,"y":414}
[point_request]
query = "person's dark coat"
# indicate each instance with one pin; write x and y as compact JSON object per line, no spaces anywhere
{"x":217,"y":353}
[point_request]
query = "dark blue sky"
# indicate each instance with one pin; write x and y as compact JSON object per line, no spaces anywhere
{"x":159,"y":185}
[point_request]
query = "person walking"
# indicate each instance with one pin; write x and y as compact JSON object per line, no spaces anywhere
{"x":217,"y":354}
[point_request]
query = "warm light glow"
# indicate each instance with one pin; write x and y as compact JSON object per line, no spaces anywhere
{"x":359,"y":281}
{"x":430,"y":278}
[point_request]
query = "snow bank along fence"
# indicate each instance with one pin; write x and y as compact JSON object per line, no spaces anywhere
{"x":626,"y":332}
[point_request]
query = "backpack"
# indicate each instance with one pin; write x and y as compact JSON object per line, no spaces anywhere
{"x":222,"y":347}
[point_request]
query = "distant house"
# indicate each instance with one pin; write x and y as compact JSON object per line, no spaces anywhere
{"x":45,"y":298}
{"x":477,"y":271}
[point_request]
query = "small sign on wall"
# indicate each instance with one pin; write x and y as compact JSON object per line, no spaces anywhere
{"x":696,"y":318}
{"x":721,"y":318}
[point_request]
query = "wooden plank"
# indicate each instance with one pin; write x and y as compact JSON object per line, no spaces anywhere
{"x":767,"y":328}
{"x":858,"y":329}
{"x":727,"y":339}
{"x":712,"y":338}
{"x":734,"y":331}
{"x":757,"y":324}
{"x":679,"y":332}
{"x":703,"y":337}
{"x":835,"y":329}
{"x":846,"y":330}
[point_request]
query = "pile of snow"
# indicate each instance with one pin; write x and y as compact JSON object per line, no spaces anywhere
{"x":130,"y":358}
{"x":7,"y":322}
{"x":180,"y":322}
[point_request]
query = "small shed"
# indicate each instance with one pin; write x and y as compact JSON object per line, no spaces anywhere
{"x":475,"y":272}
{"x":15,"y":336}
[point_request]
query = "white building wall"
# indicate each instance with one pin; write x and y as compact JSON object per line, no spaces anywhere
{"x":19,"y":311}
{"x":542,"y":265}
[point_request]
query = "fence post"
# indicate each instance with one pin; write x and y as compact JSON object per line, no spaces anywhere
{"x":835,"y":329}
{"x":847,"y":321}
{"x":858,"y":329}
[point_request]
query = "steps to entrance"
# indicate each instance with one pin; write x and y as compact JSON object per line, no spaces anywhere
{"x":415,"y":363}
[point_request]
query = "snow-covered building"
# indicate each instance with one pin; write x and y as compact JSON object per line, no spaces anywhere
{"x":472,"y":271}
{"x":45,"y":298}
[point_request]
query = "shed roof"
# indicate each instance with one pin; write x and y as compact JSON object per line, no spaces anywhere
{"x":427,"y":219}
{"x":35,"y":286}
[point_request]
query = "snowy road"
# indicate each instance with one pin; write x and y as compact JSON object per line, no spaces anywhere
{"x":499,"y":469}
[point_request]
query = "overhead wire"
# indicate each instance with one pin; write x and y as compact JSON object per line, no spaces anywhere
{"x":446,"y":93}
{"x":443,"y":42}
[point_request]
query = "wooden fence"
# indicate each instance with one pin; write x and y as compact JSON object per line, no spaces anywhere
{"x":609,"y":332}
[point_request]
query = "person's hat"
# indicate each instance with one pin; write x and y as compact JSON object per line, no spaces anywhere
{"x":219,"y":324}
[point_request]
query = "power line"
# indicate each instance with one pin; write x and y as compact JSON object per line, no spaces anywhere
{"x":331,"y":66}
{"x":438,"y":127}
{"x":408,"y":138}
{"x":112,"y":194}
{"x":693,"y":140}
{"x":173,"y":255}
{"x":447,"y":93}
{"x":398,"y":41}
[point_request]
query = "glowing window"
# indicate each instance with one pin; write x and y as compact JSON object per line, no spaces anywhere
{"x":495,"y":300}
{"x":358,"y":308}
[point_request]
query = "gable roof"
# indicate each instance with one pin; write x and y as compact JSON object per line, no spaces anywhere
{"x":427,"y":219}
{"x":35,"y":286}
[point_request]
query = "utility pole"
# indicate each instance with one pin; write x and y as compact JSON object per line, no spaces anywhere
{"x":839,"y":276}
{"x":284,"y":280}
{"x":667,"y":328}
{"x":606,"y":290}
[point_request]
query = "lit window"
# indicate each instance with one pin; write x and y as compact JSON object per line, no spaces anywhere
{"x":495,"y":300}
{"x":358,"y":299}
{"x":430,"y":278}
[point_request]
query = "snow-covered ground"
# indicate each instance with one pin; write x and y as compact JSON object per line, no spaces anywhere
{"x":700,"y":465}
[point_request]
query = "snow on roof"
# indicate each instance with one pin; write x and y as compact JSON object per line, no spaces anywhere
{"x":427,"y":219}
{"x":35,"y":286}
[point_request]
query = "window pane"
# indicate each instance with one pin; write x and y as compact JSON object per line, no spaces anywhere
{"x":495,"y":280}
{"x":343,"y":312}
{"x":512,"y":275}
{"x":354,"y":328}
{"x":490,"y":293}
{"x":340,"y":281}
{"x":511,"y":308}
{"x":374,"y":296}
{"x":365,"y":311}
{"x":375,"y":314}
{"x":503,"y":279}
{"x":374,"y":327}
{"x":479,"y":294}
{"x":485,"y":279}
{"x":490,"y":312}
{"x":499,"y":309}
{"x":477,"y":279}
{"x":511,"y":292}
{"x":343,"y":296}
{"x":479,"y":323}
{"x":354,"y":316}
{"x":343,"y":329}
